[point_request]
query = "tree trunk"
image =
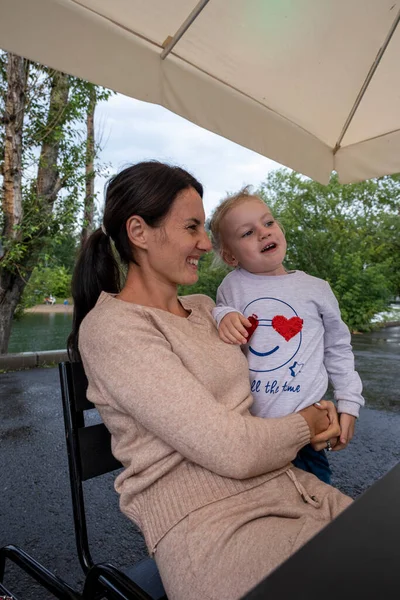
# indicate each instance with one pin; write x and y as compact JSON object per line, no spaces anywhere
{"x":17,"y":70}
{"x":48,"y":181}
{"x":11,"y":286}
{"x":14,"y":277}
{"x":88,"y":210}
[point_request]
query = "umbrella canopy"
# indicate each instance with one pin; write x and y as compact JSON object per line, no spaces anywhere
{"x":312,"y":84}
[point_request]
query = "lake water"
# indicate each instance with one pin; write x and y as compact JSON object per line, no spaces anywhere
{"x":35,"y":331}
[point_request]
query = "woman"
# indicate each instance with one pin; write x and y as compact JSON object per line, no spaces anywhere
{"x":210,"y":486}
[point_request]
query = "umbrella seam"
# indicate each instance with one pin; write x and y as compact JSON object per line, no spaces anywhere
{"x":375,"y":137}
{"x":214,"y":77}
{"x":367,"y":81}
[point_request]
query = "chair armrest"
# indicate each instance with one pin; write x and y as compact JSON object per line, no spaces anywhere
{"x":48,"y":580}
{"x":105,"y":575}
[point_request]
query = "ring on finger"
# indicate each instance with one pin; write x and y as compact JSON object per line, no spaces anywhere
{"x":329,"y":445}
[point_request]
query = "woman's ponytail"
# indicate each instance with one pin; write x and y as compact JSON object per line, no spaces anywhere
{"x":147,"y":189}
{"x":96,"y":270}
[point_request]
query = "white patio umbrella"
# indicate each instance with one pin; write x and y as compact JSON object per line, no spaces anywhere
{"x":312,"y":84}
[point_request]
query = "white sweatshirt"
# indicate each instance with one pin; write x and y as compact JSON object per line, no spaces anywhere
{"x":300,"y":341}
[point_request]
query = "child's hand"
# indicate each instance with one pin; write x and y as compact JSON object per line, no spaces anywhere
{"x":232,"y":328}
{"x":347,"y":425}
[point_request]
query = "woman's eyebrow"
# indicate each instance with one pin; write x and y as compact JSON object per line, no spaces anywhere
{"x":193,"y":220}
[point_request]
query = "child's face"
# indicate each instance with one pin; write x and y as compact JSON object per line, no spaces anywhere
{"x":252,"y":239}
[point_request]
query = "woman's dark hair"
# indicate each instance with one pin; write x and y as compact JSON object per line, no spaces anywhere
{"x":147,"y":189}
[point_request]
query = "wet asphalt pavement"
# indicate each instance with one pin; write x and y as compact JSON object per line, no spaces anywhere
{"x":35,"y":507}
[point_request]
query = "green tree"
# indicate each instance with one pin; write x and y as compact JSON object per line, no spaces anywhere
{"x":43,"y":155}
{"x":346,"y":234}
{"x":62,"y":252}
{"x":45,"y":281}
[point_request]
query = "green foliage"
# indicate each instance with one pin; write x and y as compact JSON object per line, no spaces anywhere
{"x":346,"y":234}
{"x":52,"y":275}
{"x":357,"y":286}
{"x":210,"y":277}
{"x":42,"y":247}
{"x":45,"y":281}
{"x":60,"y":251}
{"x":47,"y":222}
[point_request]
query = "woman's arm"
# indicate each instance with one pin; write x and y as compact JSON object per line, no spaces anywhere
{"x":135,"y":370}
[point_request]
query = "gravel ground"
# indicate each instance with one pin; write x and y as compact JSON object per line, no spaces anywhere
{"x":35,"y":508}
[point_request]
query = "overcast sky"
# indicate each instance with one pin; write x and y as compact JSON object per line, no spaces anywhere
{"x":133,"y":131}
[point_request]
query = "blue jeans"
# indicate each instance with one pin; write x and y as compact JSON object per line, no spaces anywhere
{"x":314,"y":462}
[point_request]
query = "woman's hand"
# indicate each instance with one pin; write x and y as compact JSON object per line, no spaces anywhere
{"x":316,"y":417}
{"x":329,"y":437}
{"x":232,"y":329}
{"x":322,"y":419}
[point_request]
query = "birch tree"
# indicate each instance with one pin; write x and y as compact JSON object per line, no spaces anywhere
{"x":88,"y":204}
{"x":43,"y":157}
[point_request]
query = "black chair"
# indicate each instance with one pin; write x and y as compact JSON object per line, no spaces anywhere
{"x":52,"y":583}
{"x":89,"y":455}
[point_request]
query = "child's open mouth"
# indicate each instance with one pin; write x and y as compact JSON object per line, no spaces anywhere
{"x":268,"y":247}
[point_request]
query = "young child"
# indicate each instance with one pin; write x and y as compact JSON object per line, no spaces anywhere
{"x":300,"y":339}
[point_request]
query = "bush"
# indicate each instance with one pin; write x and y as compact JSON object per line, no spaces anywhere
{"x":45,"y":281}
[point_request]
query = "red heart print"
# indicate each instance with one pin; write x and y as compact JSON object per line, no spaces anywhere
{"x":287,"y":328}
{"x":254,"y":324}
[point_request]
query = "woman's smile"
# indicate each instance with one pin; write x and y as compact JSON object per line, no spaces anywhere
{"x":193,"y":262}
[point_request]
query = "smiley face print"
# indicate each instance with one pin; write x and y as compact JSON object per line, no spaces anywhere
{"x":278,"y":336}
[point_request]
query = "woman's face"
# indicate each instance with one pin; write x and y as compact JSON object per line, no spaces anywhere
{"x":175,"y":248}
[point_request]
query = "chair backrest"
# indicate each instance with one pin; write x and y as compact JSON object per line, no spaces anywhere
{"x":88,"y":448}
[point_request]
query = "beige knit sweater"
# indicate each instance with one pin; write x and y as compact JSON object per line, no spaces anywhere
{"x":175,"y":399}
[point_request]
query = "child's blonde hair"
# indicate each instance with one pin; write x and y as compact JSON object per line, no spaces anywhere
{"x":221,"y":211}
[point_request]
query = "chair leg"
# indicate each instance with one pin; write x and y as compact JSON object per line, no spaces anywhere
{"x":105,"y":577}
{"x":5,"y":593}
{"x":2,"y":564}
{"x":59,"y":588}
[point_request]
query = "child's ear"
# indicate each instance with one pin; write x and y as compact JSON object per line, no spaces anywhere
{"x":136,"y":229}
{"x":229,"y":259}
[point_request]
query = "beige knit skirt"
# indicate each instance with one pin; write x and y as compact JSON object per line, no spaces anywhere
{"x":221,"y":551}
